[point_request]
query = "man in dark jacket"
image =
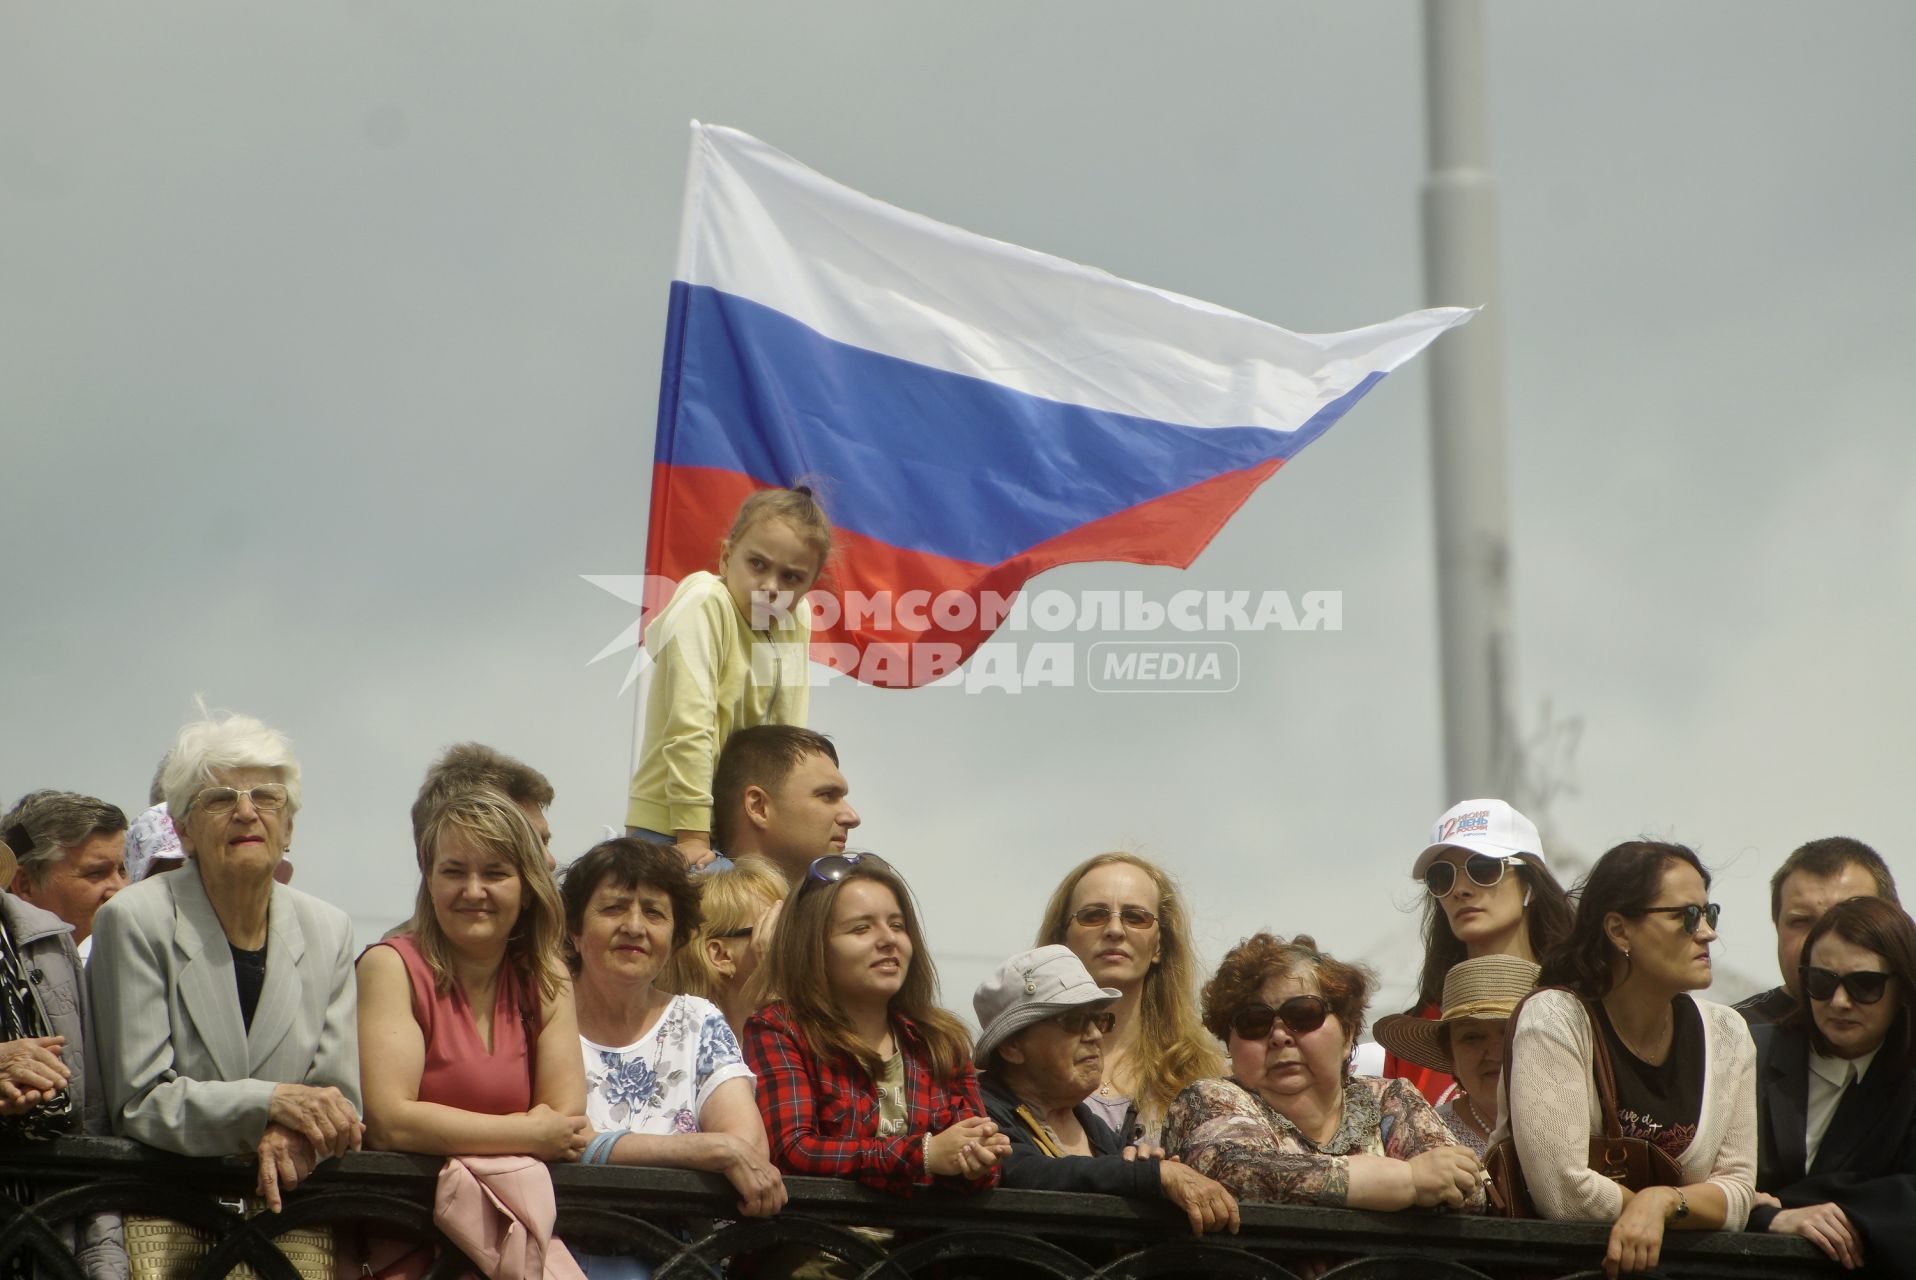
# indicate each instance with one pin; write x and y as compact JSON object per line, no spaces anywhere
{"x":1039,"y":1056}
{"x":1811,"y":880}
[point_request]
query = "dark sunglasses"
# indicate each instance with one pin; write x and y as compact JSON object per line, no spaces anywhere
{"x":1484,"y":871}
{"x":834,"y":867}
{"x":1865,"y":986}
{"x":1095,"y":917}
{"x":1300,"y":1014}
{"x":1692,"y":914}
{"x":744,"y":932}
{"x":1077,"y":1020}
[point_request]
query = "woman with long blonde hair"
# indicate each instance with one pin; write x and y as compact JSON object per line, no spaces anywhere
{"x":724,"y":959}
{"x":469,"y":1044}
{"x":1122,"y":916}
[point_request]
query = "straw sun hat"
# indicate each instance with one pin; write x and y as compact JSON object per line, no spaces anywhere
{"x":1489,"y":988}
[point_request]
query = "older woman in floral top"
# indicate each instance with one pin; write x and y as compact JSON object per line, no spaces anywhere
{"x":1290,"y":1124}
{"x":665,"y":1083}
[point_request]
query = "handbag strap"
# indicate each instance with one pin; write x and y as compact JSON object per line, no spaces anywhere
{"x":1604,"y":1070}
{"x":1510,"y":1046}
{"x":1600,"y":1064}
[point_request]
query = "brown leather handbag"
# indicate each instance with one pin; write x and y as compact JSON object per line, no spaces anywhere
{"x":1634,"y":1163}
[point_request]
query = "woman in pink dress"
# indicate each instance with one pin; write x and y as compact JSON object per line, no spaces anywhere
{"x":467,"y":1037}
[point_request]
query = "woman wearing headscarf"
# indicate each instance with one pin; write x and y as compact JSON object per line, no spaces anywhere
{"x":224,"y":1001}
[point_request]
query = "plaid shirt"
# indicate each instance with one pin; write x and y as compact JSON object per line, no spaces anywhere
{"x":821,"y":1114}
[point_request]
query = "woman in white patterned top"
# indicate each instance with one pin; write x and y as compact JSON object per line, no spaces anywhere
{"x":665,"y":1083}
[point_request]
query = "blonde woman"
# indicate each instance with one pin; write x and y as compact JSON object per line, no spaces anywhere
{"x":1122,"y":917}
{"x":723,"y":959}
{"x":468,"y":1040}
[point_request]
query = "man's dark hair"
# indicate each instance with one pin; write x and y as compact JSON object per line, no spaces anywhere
{"x":761,"y":756}
{"x":1828,"y":857}
{"x":473,"y":766}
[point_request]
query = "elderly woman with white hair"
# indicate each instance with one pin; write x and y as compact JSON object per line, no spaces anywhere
{"x":1040,"y":1055}
{"x":224,"y":1002}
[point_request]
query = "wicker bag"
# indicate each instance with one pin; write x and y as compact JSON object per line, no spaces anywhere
{"x":162,"y":1249}
{"x":1634,"y":1163}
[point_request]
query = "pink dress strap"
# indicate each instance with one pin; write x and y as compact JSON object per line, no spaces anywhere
{"x":460,"y":1071}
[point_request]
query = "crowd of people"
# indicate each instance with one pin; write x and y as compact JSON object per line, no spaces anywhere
{"x":728,"y":988}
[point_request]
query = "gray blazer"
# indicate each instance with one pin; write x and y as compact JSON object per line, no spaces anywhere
{"x":181,"y":1071}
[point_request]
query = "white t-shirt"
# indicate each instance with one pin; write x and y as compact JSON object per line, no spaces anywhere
{"x":661,"y":1083}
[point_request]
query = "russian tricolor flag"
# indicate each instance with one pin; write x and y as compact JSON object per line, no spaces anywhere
{"x":977,"y":412}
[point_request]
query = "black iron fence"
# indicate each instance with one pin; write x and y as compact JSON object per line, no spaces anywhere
{"x":683,"y":1225}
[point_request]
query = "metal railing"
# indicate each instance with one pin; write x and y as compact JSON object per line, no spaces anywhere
{"x":682,"y":1224}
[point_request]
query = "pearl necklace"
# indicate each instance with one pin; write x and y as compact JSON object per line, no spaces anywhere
{"x":1475,"y":1115}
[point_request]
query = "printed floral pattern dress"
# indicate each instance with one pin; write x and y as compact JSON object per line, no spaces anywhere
{"x":1229,"y":1133}
{"x":659,"y":1084}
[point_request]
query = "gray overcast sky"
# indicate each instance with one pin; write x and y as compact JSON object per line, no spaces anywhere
{"x":329,"y":348}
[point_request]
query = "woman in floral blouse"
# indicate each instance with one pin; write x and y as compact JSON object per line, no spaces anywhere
{"x":1291,"y":1124}
{"x":665,"y":1083}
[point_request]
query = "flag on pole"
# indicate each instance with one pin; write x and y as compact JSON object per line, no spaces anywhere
{"x":976,"y":413}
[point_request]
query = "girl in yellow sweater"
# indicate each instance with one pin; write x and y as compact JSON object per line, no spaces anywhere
{"x":730,"y":650}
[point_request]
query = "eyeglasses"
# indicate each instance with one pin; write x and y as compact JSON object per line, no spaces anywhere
{"x":1692,"y":914}
{"x":1300,"y":1014}
{"x":266,"y":798}
{"x":1865,"y":986}
{"x":1075,"y":1021}
{"x":1095,"y":917}
{"x":1484,"y":871}
{"x":834,"y":867}
{"x":745,"y":932}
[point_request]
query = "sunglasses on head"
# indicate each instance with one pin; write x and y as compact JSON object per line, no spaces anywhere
{"x":1097,"y":915}
{"x":1692,"y":914}
{"x":1075,"y":1021}
{"x":1440,"y":877}
{"x":834,"y":867}
{"x":1300,"y":1015}
{"x":1865,"y":986}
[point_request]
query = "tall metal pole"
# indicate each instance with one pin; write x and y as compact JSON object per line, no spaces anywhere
{"x":1467,"y":412}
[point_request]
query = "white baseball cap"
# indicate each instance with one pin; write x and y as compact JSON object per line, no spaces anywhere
{"x":1489,"y":827}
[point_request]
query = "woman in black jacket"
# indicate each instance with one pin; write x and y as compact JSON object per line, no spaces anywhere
{"x":1836,"y":1082}
{"x":1039,"y":1057}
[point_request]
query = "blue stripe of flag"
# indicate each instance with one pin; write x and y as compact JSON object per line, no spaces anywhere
{"x":922,"y":458}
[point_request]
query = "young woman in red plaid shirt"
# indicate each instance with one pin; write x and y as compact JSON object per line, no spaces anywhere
{"x":860,"y":1074}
